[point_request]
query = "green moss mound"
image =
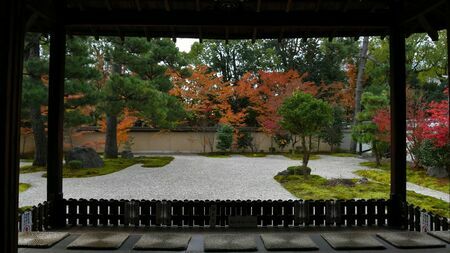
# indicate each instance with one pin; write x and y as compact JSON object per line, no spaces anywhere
{"x":315,"y":187}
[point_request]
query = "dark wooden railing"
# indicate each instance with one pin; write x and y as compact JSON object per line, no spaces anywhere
{"x":437,"y":223}
{"x":236,"y":213}
{"x":40,"y":217}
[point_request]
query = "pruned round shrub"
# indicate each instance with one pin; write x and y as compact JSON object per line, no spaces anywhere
{"x":299,"y":170}
{"x":75,"y":164}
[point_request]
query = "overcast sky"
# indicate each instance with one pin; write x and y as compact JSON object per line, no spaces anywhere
{"x":185,"y":44}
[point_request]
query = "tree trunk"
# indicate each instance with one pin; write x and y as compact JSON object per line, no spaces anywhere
{"x":111,"y":149}
{"x":305,"y":152}
{"x":40,"y":138}
{"x":359,"y":84}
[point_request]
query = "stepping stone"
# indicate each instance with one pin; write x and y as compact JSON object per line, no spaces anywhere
{"x":40,"y":239}
{"x":288,"y":242}
{"x":237,"y":242}
{"x":410,"y":240}
{"x":352,"y":241}
{"x":443,"y":235}
{"x":99,"y":241}
{"x":163,"y":242}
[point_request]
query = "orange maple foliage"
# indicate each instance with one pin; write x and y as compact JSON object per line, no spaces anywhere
{"x":205,"y":95}
{"x":211,"y":100}
{"x":272,"y":90}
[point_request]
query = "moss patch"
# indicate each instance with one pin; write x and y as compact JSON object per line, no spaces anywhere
{"x":343,"y":154}
{"x":32,"y":169}
{"x":114,"y":165}
{"x":418,"y":177}
{"x":252,"y":155}
{"x":23,"y":209}
{"x":23,"y":187}
{"x":315,"y":187}
{"x":383,"y":166}
{"x":216,"y":155}
{"x":296,"y":156}
{"x":228,"y":154}
{"x":155,"y":161}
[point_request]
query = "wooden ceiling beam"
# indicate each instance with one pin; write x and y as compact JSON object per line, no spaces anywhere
{"x":197,"y":5}
{"x":221,"y":18}
{"x":288,"y":5}
{"x":227,"y":34}
{"x":281,"y":35}
{"x":434,"y":35}
{"x":120,"y":34}
{"x":80,"y":6}
{"x":319,"y":2}
{"x":200,"y":35}
{"x":166,"y":5}
{"x":39,"y":13}
{"x":424,"y":11}
{"x":147,"y":36}
{"x":346,"y":5}
{"x":108,"y":5}
{"x":138,"y":5}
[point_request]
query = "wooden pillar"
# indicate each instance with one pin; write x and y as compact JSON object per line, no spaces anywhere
{"x":56,"y":124}
{"x":397,"y":216}
{"x":11,"y":60}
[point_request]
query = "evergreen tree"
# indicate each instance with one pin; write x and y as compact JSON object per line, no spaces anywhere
{"x":366,"y":131}
{"x":78,"y":92}
{"x":224,"y":137}
{"x":332,"y":134}
{"x":79,"y":85}
{"x":139,"y":83}
{"x":35,"y":95}
{"x":305,"y":116}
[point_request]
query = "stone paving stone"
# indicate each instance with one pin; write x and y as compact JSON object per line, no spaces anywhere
{"x":100,"y":240}
{"x":288,"y":242}
{"x":443,"y":235}
{"x":40,"y":239}
{"x":352,"y":241}
{"x":229,"y":243}
{"x":163,"y":241}
{"x":410,"y":240}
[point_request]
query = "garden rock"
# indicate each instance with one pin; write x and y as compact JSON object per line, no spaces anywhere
{"x":88,"y":157}
{"x":340,"y":182}
{"x":127,"y":154}
{"x":363,"y":181}
{"x":439,"y":172}
{"x":283,"y":173}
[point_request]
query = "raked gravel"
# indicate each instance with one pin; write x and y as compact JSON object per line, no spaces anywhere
{"x":194,"y":177}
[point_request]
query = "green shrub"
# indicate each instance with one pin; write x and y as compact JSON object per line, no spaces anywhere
{"x":332,"y":134}
{"x":225,"y":137}
{"x":431,"y":156}
{"x":282,"y":140}
{"x":75,"y":164}
{"x":245,"y":140}
{"x":299,"y":170}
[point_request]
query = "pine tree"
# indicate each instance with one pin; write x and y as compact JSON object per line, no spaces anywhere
{"x":35,"y":95}
{"x":79,"y":86}
{"x":139,"y":83}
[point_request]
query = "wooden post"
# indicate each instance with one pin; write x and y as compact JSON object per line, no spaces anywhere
{"x":12,"y":27}
{"x":55,"y":124}
{"x":398,"y":117}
